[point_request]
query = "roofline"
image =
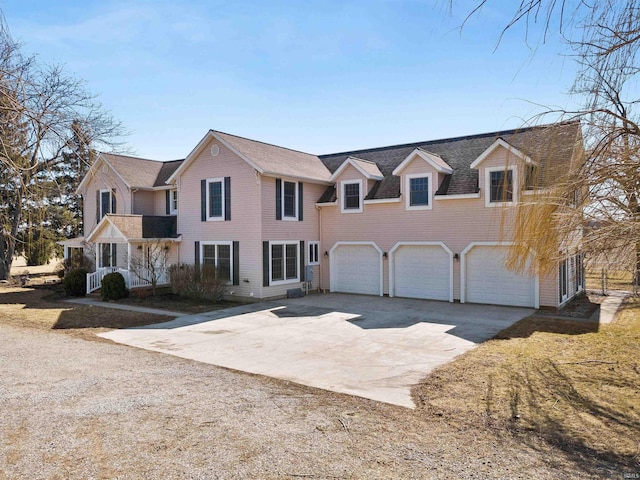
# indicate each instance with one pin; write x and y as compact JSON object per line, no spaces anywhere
{"x":98,"y":158}
{"x":353,"y":162}
{"x":99,"y":226}
{"x":450,"y":139}
{"x":500,"y":142}
{"x":426,"y":156}
{"x":297,"y":177}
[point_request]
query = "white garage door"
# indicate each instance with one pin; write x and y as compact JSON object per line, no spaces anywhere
{"x":355,"y":269}
{"x":421,"y":271}
{"x":489,"y":281}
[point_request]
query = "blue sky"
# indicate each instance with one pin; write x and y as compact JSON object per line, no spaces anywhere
{"x":318,"y":76}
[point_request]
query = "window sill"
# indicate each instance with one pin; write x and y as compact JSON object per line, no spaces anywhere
{"x":418,"y":207}
{"x":273,"y":283}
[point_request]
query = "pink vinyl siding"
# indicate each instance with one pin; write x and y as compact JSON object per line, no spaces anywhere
{"x":456,"y":223}
{"x":103,"y":180}
{"x":306,"y":230}
{"x":160,"y":202}
{"x":143,"y":202}
{"x":245,"y":223}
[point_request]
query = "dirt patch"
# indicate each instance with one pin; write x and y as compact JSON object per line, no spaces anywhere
{"x":581,"y":307}
{"x":175,"y":303}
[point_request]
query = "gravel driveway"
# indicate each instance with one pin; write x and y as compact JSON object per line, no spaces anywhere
{"x":73,"y":408}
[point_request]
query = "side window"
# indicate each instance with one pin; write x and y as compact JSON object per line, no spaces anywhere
{"x":313,"y":257}
{"x":418,"y":192}
{"x":499,"y":185}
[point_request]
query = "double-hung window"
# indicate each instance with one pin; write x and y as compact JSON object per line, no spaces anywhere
{"x":284,"y":262}
{"x":351,"y":201}
{"x":217,"y":260}
{"x":500,"y":183}
{"x":418,"y":192}
{"x":106,"y":202}
{"x":108,"y":255}
{"x":173,"y":202}
{"x":215,"y":199}
{"x":289,"y":200}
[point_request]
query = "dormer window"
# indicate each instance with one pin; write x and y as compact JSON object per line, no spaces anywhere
{"x":499,"y":186}
{"x":351,"y":196}
{"x":418,"y":191}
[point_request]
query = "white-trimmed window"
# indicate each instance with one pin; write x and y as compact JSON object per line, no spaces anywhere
{"x":108,"y":254}
{"x":351,"y":192}
{"x":313,"y":253}
{"x":500,"y":185}
{"x":217,"y":259}
{"x":283,"y":262}
{"x":173,"y":201}
{"x":106,"y":202}
{"x":563,"y":280}
{"x":418,"y":191}
{"x":289,"y":200}
{"x":215,"y":199}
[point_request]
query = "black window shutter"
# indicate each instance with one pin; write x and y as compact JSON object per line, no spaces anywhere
{"x":302,"y":254}
{"x":236,"y":263}
{"x":196,"y":258}
{"x":98,"y":207}
{"x":203,"y":200}
{"x":227,"y":198}
{"x":113,"y":200}
{"x":265,"y":264}
{"x":167,"y":202}
{"x":278,"y":199}
{"x":300,"y":202}
{"x":114,"y":254}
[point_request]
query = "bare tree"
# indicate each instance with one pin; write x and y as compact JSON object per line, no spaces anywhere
{"x":151,"y":263}
{"x":38,"y":107}
{"x":596,"y":202}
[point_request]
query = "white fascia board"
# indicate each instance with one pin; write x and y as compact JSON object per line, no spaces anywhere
{"x":95,"y":173}
{"x":382,"y":200}
{"x":501,"y":143}
{"x":427,"y":157}
{"x":296,"y":178}
{"x":100,"y":226}
{"x":461,"y":196}
{"x":353,"y":161}
{"x":327,"y":204}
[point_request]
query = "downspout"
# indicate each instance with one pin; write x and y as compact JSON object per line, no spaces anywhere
{"x":320,"y":257}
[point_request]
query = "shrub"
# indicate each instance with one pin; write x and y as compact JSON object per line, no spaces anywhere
{"x":113,"y":287}
{"x":198,"y":283}
{"x":75,"y":283}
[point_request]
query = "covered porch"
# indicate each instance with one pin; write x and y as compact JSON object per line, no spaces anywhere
{"x":140,"y":248}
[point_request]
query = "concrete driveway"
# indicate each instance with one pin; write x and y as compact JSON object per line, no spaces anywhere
{"x":372,"y":347}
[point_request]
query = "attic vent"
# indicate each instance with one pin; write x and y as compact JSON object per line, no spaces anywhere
{"x":215,"y":150}
{"x":105,"y":169}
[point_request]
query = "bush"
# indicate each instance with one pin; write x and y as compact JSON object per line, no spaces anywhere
{"x":197,"y":283}
{"x":75,"y":283}
{"x":113,"y":287}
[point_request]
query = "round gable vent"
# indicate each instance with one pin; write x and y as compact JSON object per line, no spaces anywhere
{"x":215,"y":150}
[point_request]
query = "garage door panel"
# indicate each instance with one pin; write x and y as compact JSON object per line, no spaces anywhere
{"x":356,"y":269}
{"x":489,"y":281}
{"x":422,"y":271}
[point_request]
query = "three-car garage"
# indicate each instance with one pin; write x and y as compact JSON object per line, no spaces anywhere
{"x":426,"y":270}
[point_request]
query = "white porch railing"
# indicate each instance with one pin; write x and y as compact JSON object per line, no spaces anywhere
{"x":131,"y":279}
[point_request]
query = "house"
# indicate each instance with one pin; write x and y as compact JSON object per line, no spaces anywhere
{"x":423,"y":220}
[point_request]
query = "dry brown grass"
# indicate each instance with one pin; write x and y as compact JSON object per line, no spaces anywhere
{"x":567,"y":382}
{"x":175,"y":303}
{"x":39,"y":307}
{"x":615,"y":280}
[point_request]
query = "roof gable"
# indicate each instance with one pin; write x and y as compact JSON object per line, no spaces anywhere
{"x":500,"y":143}
{"x":368,"y":169}
{"x":265,"y":158}
{"x":136,"y":227}
{"x":431,"y":158}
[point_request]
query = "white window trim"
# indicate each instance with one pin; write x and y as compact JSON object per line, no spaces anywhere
{"x":110,"y":192}
{"x":487,"y":186}
{"x":230,"y":244}
{"x":407,"y":189}
{"x":343,"y":196}
{"x":285,"y":281}
{"x":309,"y":259}
{"x":295,"y":204}
{"x":173,"y":209}
{"x":221,"y":217}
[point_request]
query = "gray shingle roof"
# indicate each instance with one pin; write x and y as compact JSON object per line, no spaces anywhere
{"x":278,"y":160}
{"x":552,"y":146}
{"x":141,"y":172}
